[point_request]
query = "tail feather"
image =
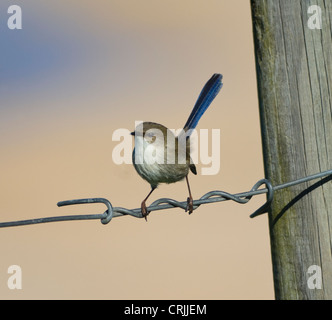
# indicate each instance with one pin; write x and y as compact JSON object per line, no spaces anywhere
{"x":208,"y":93}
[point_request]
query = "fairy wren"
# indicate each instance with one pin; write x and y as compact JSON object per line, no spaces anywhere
{"x":161,"y":157}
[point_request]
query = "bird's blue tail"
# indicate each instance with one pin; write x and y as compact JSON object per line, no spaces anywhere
{"x":208,"y":93}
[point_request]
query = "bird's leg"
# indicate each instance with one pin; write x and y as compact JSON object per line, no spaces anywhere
{"x":144,"y":210}
{"x":190,"y":201}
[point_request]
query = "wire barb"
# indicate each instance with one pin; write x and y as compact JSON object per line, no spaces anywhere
{"x":166,"y":203}
{"x":105,"y":217}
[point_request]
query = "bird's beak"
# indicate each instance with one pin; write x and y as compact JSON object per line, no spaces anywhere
{"x":132,"y":133}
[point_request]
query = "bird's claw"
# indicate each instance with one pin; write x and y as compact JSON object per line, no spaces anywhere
{"x":190,"y":205}
{"x":144,"y":211}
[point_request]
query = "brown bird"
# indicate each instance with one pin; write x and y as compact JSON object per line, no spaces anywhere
{"x":161,"y":157}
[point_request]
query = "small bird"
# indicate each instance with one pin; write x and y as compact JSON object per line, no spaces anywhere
{"x":161,"y":157}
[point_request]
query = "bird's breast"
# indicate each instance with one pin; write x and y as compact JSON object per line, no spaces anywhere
{"x":157,"y":164}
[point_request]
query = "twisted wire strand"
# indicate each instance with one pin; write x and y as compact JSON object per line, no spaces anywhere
{"x":166,"y":203}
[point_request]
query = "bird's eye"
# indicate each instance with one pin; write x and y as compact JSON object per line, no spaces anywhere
{"x":149,"y":137}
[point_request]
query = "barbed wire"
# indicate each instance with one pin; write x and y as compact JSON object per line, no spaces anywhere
{"x":166,"y":203}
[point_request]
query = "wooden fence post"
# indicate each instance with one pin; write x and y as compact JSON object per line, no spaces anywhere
{"x":293,"y":49}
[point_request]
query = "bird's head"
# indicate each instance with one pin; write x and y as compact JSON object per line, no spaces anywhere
{"x":151,"y":131}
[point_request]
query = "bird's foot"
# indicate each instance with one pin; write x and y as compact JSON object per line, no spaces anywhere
{"x":190,"y":205}
{"x":144,"y":211}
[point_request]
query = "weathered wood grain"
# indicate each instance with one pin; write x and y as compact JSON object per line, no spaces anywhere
{"x":294,"y":76}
